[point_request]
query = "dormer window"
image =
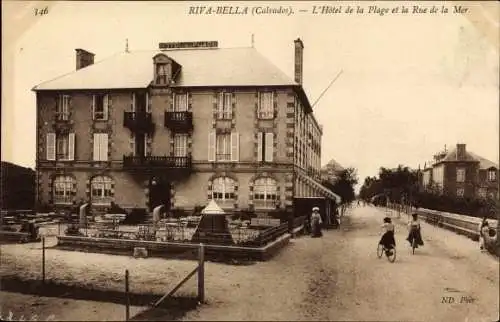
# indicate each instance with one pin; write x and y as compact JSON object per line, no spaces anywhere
{"x":161,"y":73}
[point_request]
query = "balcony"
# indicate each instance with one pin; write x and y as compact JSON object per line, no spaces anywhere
{"x":179,"y":121}
{"x":156,"y":162}
{"x":139,"y":122}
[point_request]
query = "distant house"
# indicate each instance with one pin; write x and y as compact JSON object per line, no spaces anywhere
{"x":18,"y":187}
{"x":461,"y":173}
{"x":331,"y":170}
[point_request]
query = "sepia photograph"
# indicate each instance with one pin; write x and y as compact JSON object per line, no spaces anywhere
{"x":250,"y":161}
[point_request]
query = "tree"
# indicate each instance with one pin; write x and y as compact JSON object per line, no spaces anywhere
{"x":343,"y":185}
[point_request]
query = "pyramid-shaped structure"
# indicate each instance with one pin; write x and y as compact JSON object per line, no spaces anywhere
{"x":213,"y":227}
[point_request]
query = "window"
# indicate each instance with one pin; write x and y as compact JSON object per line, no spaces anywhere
{"x":460,"y":175}
{"x":64,"y":190}
{"x":100,"y":105}
{"x":265,"y":193}
{"x":266,"y":106}
{"x":225,"y":106}
{"x":100,"y":147}
{"x":492,"y":175}
{"x":223,"y":192}
{"x":60,"y":146}
{"x":482,"y":192}
{"x":223,"y":147}
{"x":180,"y":145}
{"x":62,"y":107}
{"x":180,"y":102}
{"x":265,"y":146}
{"x":102,"y":190}
{"x":460,"y":192}
{"x":161,"y":73}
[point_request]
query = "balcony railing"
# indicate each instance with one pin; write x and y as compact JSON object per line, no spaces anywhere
{"x":179,"y":121}
{"x":163,"y":162}
{"x":138,"y":121}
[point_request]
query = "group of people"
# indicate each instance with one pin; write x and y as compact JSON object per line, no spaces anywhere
{"x":389,"y":242}
{"x":414,"y":234}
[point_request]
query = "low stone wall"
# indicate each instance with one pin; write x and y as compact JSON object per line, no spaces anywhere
{"x":169,"y":249}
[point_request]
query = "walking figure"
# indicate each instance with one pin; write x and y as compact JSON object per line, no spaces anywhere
{"x":316,"y":223}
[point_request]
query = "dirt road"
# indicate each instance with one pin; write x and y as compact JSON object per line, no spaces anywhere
{"x":339,"y":277}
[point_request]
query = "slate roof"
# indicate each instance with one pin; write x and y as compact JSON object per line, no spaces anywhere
{"x":451,"y":156}
{"x":200,"y":67}
{"x":484,"y":163}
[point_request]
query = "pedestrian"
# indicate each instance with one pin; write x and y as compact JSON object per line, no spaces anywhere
{"x":483,"y":232}
{"x":316,"y":223}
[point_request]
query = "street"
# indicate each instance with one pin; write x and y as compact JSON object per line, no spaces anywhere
{"x":339,"y":277}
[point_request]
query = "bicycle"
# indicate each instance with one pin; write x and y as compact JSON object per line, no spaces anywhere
{"x":389,"y":253}
{"x":413,"y":242}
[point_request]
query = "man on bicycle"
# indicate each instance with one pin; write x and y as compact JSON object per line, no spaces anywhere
{"x":414,"y":232}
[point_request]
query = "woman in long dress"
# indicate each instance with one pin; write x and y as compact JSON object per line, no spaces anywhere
{"x":388,"y":239}
{"x":316,"y":223}
{"x":415,"y":232}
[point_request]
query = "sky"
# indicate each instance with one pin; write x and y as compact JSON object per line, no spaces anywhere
{"x":410,"y":84}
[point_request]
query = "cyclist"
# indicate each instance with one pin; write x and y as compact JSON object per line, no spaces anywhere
{"x":414,"y":231}
{"x":387,"y":239}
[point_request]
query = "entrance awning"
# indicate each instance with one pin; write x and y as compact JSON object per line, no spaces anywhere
{"x":324,"y":190}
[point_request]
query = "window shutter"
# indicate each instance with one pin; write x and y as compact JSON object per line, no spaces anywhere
{"x":211,"y":146}
{"x":132,"y":143}
{"x":93,"y":107}
{"x":103,"y":153}
{"x":259,"y":146}
{"x":148,"y":103}
{"x":105,"y":107}
{"x":51,"y":146}
{"x":96,"y":146}
{"x":269,"y":147}
{"x":71,"y":146}
{"x":70,"y":106}
{"x":220,"y":105}
{"x":235,"y":146}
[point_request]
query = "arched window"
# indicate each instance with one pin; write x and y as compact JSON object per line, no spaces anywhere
{"x":265,"y":193}
{"x":223,"y":192}
{"x":64,"y":189}
{"x":102,"y":190}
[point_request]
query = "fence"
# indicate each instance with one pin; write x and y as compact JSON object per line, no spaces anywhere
{"x":46,"y":271}
{"x":465,"y":225}
{"x":200,"y":269}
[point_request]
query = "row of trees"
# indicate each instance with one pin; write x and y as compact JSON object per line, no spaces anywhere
{"x":401,"y":185}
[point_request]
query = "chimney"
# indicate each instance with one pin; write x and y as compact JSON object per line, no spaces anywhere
{"x":83,"y":58}
{"x":299,"y":59}
{"x":461,"y":152}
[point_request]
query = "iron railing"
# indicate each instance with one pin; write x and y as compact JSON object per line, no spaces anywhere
{"x":179,"y":121}
{"x":157,"y":162}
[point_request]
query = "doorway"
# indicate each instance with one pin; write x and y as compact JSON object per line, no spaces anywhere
{"x":159,"y":193}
